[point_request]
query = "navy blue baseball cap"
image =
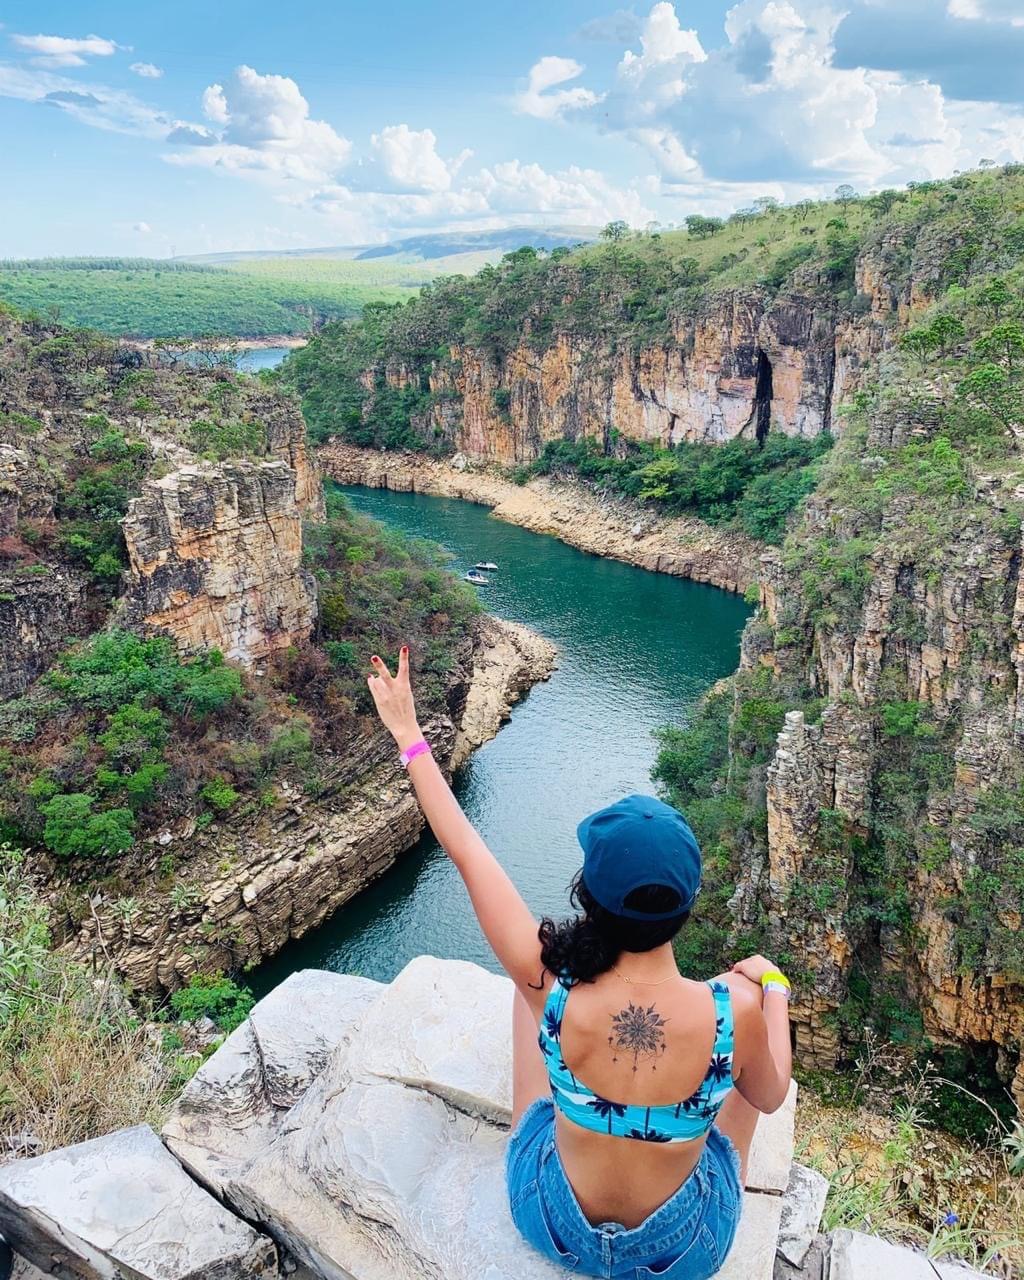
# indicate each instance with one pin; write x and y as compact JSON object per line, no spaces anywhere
{"x":639,"y":841}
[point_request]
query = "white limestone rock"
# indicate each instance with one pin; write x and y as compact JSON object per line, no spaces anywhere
{"x":771,"y":1152}
{"x":390,"y":1183}
{"x":444,"y":1026}
{"x":856,"y":1256}
{"x":234,"y":1104}
{"x":958,"y":1271}
{"x":391,"y":1165}
{"x":802,"y":1207}
{"x":122,"y":1206}
{"x":752,"y":1256}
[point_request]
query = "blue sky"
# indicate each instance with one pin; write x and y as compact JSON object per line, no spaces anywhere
{"x":129,"y":129}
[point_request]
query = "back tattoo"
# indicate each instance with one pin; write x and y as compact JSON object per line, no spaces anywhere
{"x":638,"y":1031}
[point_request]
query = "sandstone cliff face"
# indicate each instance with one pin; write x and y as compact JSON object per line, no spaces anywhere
{"x":41,"y":606}
{"x":38,"y":616}
{"x":233,"y":540}
{"x":741,"y":362}
{"x":216,"y":560}
{"x":939,"y":630}
{"x":744,"y":363}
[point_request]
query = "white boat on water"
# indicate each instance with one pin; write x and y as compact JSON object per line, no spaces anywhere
{"x":477,"y":579}
{"x":486,"y":565}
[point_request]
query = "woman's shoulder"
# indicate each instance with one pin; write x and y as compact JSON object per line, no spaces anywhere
{"x":745,"y":996}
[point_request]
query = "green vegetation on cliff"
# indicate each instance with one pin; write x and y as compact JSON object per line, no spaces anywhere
{"x":750,"y":485}
{"x":123,"y":733}
{"x":892,"y":620}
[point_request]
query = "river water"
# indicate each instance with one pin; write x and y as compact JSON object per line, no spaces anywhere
{"x":636,"y":650}
{"x":253,"y":359}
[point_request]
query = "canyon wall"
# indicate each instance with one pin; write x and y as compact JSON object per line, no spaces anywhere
{"x":215,"y":560}
{"x":745,"y":362}
{"x":893,"y":817}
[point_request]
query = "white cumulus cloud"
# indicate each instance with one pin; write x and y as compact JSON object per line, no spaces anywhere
{"x":540,"y":98}
{"x":407,"y":160}
{"x":64,"y":51}
{"x":771,"y":106}
{"x":263,"y":127}
{"x":146,"y":70}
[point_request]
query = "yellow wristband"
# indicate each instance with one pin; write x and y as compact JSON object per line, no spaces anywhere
{"x":773,"y":975}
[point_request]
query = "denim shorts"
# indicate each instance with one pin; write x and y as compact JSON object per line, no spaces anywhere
{"x":686,"y":1238}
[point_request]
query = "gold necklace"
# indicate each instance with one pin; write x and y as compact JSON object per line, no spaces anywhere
{"x":641,"y":981}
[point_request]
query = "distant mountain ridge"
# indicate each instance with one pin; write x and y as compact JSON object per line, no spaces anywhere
{"x":433,"y":244}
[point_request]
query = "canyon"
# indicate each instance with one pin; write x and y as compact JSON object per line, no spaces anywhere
{"x":886,"y":649}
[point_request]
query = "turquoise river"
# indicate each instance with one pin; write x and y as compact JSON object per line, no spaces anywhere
{"x":636,"y":650}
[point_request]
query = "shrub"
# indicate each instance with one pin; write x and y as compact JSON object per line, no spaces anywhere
{"x":213,"y":996}
{"x":73,"y":830}
{"x":219,"y":795}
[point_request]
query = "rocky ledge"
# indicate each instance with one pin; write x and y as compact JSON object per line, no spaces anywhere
{"x":682,"y":546}
{"x":358,"y":1130}
{"x":277,"y":875}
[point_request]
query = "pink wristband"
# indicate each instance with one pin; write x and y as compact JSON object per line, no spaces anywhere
{"x":417,"y":749}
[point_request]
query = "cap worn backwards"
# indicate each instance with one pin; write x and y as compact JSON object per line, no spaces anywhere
{"x":639,"y":841}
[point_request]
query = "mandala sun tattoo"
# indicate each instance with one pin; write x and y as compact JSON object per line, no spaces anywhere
{"x":638,"y":1031}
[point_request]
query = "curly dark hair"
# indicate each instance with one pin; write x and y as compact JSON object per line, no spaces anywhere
{"x":584,"y":947}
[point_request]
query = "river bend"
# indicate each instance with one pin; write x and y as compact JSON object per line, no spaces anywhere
{"x":636,"y":650}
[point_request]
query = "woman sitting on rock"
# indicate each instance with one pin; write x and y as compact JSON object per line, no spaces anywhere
{"x":633,"y":1120}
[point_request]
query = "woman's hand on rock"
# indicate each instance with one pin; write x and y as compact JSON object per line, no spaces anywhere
{"x":754,"y":968}
{"x":392,"y":695}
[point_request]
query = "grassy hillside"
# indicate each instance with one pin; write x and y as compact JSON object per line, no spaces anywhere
{"x":249,"y":295}
{"x":147,"y":298}
{"x":398,"y":274}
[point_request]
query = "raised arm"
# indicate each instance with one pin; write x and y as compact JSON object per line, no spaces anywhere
{"x":504,"y":917}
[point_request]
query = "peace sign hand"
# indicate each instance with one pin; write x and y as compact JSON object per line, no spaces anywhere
{"x":392,"y":695}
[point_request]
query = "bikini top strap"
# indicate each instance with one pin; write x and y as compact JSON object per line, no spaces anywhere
{"x":724,"y":1029}
{"x":554,"y":1005}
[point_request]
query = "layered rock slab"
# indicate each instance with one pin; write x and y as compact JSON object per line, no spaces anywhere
{"x":391,"y":1164}
{"x":235,"y":1104}
{"x":122,"y":1206}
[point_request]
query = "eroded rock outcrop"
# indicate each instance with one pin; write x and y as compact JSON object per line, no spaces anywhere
{"x":216,"y":560}
{"x":741,"y":361}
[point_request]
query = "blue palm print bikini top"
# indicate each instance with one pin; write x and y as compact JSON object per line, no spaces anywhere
{"x":638,"y":1031}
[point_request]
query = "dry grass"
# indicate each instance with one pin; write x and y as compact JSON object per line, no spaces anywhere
{"x":892,"y":1176}
{"x":77,"y":1066}
{"x":75,"y":1060}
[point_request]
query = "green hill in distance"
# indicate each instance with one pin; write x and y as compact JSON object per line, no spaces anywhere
{"x":253,"y":294}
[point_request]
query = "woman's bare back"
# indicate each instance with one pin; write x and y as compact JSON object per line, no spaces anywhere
{"x":640,"y":1045}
